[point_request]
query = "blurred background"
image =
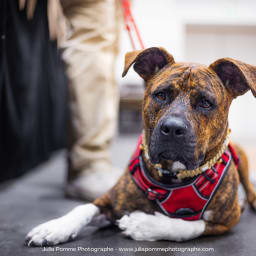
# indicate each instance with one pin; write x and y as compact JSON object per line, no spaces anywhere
{"x":197,"y":31}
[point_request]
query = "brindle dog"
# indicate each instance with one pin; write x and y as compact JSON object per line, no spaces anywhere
{"x":185,"y":113}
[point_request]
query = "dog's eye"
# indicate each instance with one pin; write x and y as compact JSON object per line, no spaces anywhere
{"x":204,"y":103}
{"x":161,"y":96}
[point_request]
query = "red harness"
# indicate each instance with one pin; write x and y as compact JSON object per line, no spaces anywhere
{"x":188,"y":200}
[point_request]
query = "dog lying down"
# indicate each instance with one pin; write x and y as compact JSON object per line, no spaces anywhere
{"x":182,"y":180}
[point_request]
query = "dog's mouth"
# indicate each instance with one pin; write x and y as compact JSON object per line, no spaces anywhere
{"x":167,"y":156}
{"x":166,"y":151}
{"x":169,"y":159}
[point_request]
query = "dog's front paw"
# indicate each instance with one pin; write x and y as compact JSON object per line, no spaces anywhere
{"x":51,"y":233}
{"x":62,"y":229}
{"x":148,"y":227}
{"x":140,"y":226}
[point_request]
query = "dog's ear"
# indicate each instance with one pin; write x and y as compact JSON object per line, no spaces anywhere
{"x":147,"y":62}
{"x":237,"y":77}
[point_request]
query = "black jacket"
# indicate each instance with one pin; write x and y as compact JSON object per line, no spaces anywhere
{"x":33,"y":90}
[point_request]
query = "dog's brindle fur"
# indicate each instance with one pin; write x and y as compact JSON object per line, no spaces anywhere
{"x":186,"y":83}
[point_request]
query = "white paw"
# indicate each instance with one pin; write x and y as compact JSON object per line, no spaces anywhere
{"x":134,"y":226}
{"x":141,"y":226}
{"x":51,"y":233}
{"x":62,"y":229}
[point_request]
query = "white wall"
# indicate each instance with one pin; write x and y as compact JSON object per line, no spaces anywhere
{"x":166,"y":23}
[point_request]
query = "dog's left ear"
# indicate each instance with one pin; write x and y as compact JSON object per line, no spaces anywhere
{"x":237,"y":76}
{"x":147,"y":62}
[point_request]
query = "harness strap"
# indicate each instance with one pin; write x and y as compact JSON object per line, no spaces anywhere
{"x":234,"y":155}
{"x":156,"y":192}
{"x":151,"y":191}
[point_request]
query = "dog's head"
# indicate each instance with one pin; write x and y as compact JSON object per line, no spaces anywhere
{"x":186,"y":105}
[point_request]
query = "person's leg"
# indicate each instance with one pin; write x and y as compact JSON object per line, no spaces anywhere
{"x":90,"y":53}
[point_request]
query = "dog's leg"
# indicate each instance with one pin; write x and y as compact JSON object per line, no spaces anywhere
{"x":62,"y":229}
{"x":215,"y":229}
{"x":244,"y":177}
{"x":141,"y":226}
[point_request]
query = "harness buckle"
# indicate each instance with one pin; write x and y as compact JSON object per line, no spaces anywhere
{"x":151,"y":194}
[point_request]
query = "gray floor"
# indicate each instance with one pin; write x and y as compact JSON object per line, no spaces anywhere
{"x":38,"y":197}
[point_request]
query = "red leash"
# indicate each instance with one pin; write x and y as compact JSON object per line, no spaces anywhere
{"x":130,"y":24}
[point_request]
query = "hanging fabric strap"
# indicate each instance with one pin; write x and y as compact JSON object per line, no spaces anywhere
{"x":130,"y":24}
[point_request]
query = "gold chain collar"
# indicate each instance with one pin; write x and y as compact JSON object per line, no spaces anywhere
{"x":181,"y":174}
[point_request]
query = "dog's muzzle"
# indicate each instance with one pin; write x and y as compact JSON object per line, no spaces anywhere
{"x":173,"y":139}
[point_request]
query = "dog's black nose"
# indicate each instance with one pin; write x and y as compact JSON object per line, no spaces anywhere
{"x":173,"y":127}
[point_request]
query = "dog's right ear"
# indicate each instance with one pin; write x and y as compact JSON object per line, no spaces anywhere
{"x":237,"y":76}
{"x":147,"y":62}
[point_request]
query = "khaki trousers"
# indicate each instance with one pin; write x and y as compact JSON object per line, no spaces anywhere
{"x":90,"y":50}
